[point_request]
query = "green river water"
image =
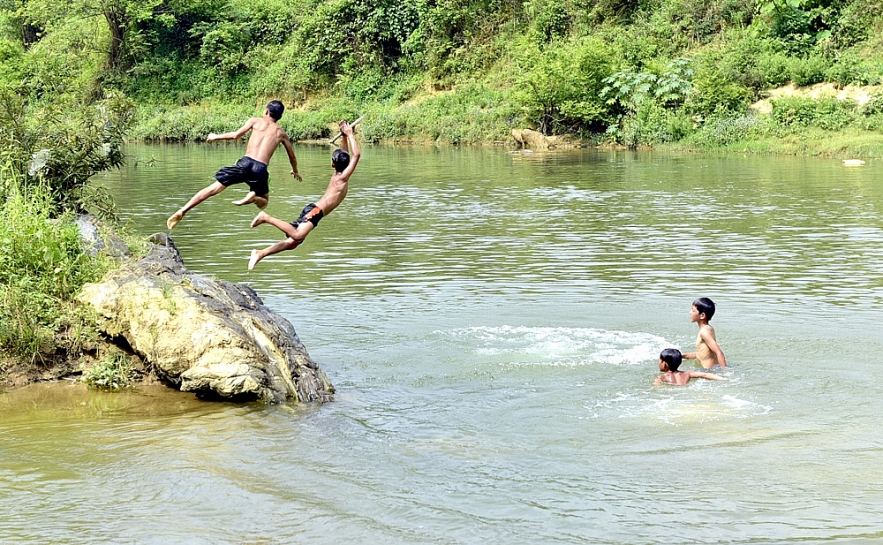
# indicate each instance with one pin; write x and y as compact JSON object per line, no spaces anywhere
{"x":492,"y":322}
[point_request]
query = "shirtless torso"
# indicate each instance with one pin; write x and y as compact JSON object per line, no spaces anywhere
{"x":706,"y":356}
{"x":265,"y":137}
{"x":681,"y":378}
{"x":334,"y":194}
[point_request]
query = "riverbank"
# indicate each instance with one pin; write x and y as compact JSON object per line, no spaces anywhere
{"x":819,"y":120}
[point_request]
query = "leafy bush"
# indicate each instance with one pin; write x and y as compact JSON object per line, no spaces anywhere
{"x":712,"y":94}
{"x":630,"y":89}
{"x":872,"y":123}
{"x":61,"y":147}
{"x":807,"y":70}
{"x":702,"y":20}
{"x":560,"y":87}
{"x":42,"y":266}
{"x":874,"y":105}
{"x":113,"y":372}
{"x":651,"y":124}
{"x":853,"y":68}
{"x":549,"y":19}
{"x":723,"y":130}
{"x":827,"y":113}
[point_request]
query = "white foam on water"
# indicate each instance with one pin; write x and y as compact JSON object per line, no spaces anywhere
{"x":560,"y":346}
{"x":696,"y":403}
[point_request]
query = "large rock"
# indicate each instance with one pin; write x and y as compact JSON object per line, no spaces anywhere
{"x":537,"y":141}
{"x":205,"y":335}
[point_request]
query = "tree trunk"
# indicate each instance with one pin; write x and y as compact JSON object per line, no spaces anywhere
{"x":116,"y":23}
{"x":30,"y":34}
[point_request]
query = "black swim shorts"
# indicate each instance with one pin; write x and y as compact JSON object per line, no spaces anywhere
{"x":247,"y":171}
{"x":311,"y":213}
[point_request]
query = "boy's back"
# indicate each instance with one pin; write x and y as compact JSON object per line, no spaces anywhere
{"x":265,"y":137}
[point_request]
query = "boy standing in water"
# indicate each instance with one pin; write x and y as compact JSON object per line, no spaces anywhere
{"x":669,"y":361}
{"x":344,"y":163}
{"x":708,"y":352}
{"x":266,"y":135}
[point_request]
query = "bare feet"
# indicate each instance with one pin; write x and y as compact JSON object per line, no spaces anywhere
{"x":259,"y":219}
{"x":173,"y":220}
{"x":255,"y":257}
{"x":248,"y":199}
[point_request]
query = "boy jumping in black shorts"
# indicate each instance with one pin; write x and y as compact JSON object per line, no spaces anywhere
{"x":266,"y":135}
{"x":344,"y":162}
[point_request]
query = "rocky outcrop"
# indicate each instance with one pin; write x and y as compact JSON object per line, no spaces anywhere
{"x":205,"y":335}
{"x":537,"y":141}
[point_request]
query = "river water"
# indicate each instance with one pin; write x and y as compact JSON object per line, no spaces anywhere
{"x":492,"y":324}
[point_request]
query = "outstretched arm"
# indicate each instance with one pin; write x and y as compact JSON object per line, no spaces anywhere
{"x":711,"y":342}
{"x":235,"y":135}
{"x":286,"y":143}
{"x":349,"y":142}
{"x":709,"y":376}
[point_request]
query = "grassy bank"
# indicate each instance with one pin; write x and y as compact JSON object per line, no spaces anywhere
{"x":472,"y":114}
{"x":796,"y":125}
{"x":47,"y":158}
{"x":43,"y":264}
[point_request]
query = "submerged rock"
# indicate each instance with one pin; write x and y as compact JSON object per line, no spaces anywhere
{"x":205,"y":335}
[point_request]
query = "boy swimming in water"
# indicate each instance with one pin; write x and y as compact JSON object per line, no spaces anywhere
{"x":344,"y":161}
{"x":708,"y":352}
{"x":266,"y":135}
{"x":669,"y":361}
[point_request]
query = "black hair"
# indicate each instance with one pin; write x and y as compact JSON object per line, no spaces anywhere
{"x":276,"y":109}
{"x":705,"y":306}
{"x":340,"y":159}
{"x":671,"y":356}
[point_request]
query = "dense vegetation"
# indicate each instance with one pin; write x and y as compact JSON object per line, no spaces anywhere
{"x":47,"y":156}
{"x":625,"y":71}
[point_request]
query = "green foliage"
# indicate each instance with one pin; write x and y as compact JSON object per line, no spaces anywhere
{"x":616,"y":10}
{"x":648,"y":104}
{"x":549,"y":19}
{"x":827,"y":113}
{"x":60,"y":148}
{"x":873,"y":123}
{"x":713,"y":94}
{"x":224,"y":43}
{"x":471,"y":113}
{"x":730,"y":128}
{"x":199,"y":66}
{"x":343,"y":35}
{"x":797,"y":24}
{"x":701,"y":20}
{"x":42,"y":267}
{"x":651,"y":124}
{"x":560,"y":87}
{"x":630,"y":89}
{"x":874,"y":105}
{"x":454,"y":38}
{"x":113,"y":372}
{"x":853,"y":67}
